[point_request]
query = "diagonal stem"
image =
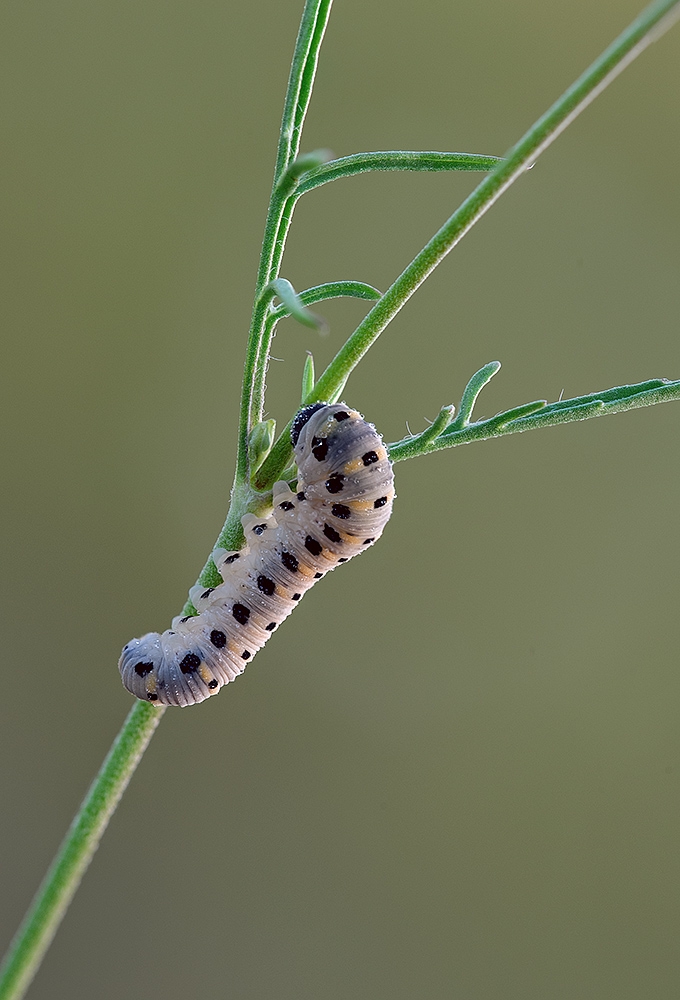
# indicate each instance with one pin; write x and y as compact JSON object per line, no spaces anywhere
{"x":298,"y":95}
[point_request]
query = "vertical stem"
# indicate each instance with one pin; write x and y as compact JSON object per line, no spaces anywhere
{"x":298,"y":95}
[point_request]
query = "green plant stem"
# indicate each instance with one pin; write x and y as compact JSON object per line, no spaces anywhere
{"x":63,"y":877}
{"x":298,"y":94}
{"x":651,"y":23}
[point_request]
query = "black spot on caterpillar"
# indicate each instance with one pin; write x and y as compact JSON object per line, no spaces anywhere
{"x":307,"y":534}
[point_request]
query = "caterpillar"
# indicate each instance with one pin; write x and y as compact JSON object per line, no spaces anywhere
{"x":342,"y":502}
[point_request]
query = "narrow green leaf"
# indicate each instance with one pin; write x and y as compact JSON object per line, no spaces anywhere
{"x":329,"y":290}
{"x":472,"y":391}
{"x":337,"y":392}
{"x":438,"y":425}
{"x":307,"y":377}
{"x":394,"y":159}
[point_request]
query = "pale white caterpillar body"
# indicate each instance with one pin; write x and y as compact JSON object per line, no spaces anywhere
{"x":345,"y":490}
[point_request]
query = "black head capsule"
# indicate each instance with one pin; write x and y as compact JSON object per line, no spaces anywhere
{"x":301,"y":418}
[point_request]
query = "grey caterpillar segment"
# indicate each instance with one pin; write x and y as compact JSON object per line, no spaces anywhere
{"x":343,"y":501}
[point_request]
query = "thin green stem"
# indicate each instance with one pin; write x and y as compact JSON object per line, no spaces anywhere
{"x":651,"y":23}
{"x":63,"y":878}
{"x":298,"y":94}
{"x":308,"y":72}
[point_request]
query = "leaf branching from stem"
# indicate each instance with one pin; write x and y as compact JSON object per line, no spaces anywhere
{"x":392,"y":159}
{"x":528,"y":416}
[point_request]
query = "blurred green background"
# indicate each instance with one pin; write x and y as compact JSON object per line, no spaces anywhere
{"x":456,"y":771}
